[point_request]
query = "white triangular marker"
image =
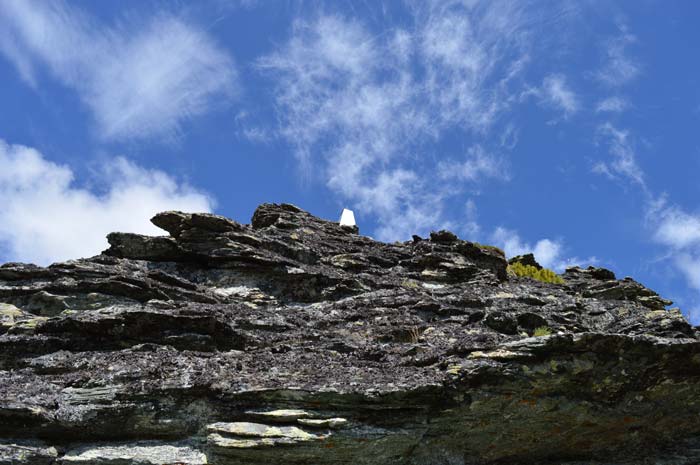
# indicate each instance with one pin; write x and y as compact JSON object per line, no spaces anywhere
{"x":347,"y":218}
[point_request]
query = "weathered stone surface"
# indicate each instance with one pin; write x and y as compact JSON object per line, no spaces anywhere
{"x":294,"y":340}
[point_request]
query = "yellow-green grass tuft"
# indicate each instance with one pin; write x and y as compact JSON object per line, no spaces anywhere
{"x":545,"y":275}
{"x":542,"y":331}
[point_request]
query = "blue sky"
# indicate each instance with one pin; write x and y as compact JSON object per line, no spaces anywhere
{"x":564,"y":128}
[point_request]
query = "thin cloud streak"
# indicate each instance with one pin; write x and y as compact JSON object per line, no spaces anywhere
{"x":624,"y":160}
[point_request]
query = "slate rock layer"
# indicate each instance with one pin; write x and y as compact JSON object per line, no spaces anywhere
{"x":293,"y":340}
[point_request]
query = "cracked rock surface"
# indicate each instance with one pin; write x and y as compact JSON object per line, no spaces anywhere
{"x":294,"y":340}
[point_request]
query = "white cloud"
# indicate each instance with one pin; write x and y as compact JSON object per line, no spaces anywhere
{"x":478,"y":164}
{"x":361,"y":108}
{"x":612,"y":105}
{"x":618,"y":68}
{"x":624,"y":161}
{"x":676,"y":228}
{"x":45,"y":216}
{"x":556,"y":92}
{"x":139,"y":80}
{"x":547,"y":252}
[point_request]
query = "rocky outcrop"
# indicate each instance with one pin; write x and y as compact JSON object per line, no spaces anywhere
{"x":294,"y":340}
{"x":527,"y":259}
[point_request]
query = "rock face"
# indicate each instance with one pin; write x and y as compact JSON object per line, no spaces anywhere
{"x":294,"y":340}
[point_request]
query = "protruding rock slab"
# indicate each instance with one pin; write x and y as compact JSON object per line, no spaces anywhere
{"x":258,"y":430}
{"x":138,"y":453}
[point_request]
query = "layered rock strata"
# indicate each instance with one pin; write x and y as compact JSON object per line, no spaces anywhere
{"x":294,"y":340}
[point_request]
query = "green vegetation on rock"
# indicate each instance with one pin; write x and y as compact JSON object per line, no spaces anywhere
{"x":542,"y":331}
{"x":545,"y":275}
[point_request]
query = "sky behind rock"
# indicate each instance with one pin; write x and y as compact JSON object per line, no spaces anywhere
{"x":563,"y":128}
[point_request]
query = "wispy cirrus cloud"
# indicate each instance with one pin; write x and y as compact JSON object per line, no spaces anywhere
{"x":624,"y":159}
{"x":363,"y":108}
{"x":477,"y":164}
{"x":618,"y":67}
{"x":141,"y":79}
{"x":46,"y":217}
{"x":612,"y":105}
{"x":617,"y":70}
{"x":556,"y":92}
